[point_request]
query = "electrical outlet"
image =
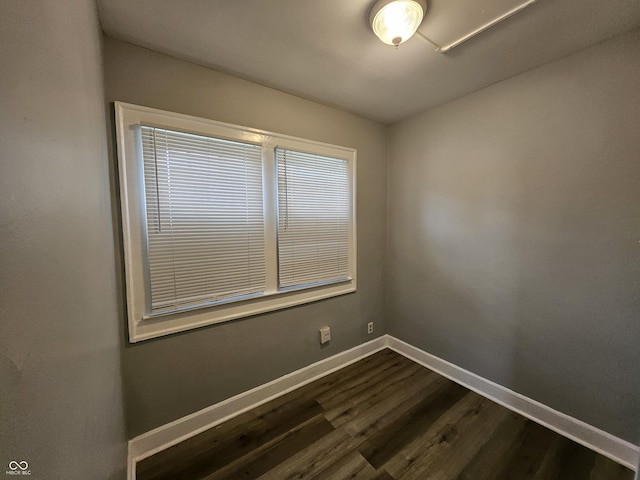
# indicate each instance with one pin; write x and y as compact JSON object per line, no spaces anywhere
{"x":369,"y":328}
{"x":325,"y":334}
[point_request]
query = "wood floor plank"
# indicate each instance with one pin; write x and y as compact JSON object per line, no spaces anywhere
{"x":349,"y":375}
{"x":352,"y":466}
{"x":441,"y":432}
{"x":445,"y":458}
{"x":551,"y":463}
{"x":527,"y":457}
{"x":223,"y":444}
{"x":379,"y":448}
{"x":273,"y":453}
{"x":576,"y":461}
{"x":383,"y":475}
{"x":606,"y":469}
{"x":490,"y":459}
{"x":360,"y":409}
{"x":314,"y":459}
{"x":367,"y":383}
{"x":384,"y":414}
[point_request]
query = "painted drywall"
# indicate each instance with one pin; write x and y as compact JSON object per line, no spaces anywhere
{"x":514,"y":235}
{"x":61,"y":406}
{"x":169,"y":377}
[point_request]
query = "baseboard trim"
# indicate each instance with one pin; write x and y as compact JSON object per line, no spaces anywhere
{"x":591,"y":437}
{"x":165,"y":436}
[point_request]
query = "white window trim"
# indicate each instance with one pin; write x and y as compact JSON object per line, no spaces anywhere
{"x":143,"y":326}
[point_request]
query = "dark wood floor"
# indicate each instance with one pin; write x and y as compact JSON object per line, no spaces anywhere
{"x":382,"y":418}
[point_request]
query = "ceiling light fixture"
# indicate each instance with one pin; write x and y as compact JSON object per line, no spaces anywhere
{"x":395,"y":21}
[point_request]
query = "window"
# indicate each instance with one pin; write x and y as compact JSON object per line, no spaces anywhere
{"x":205,"y":222}
{"x":313,"y":219}
{"x":222,"y":222}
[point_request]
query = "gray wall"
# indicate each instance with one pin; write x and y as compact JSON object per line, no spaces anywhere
{"x":61,"y":404}
{"x":170,"y":377}
{"x":513,"y":234}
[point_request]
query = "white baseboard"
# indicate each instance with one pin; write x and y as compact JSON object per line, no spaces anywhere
{"x":163,"y":437}
{"x":591,"y":437}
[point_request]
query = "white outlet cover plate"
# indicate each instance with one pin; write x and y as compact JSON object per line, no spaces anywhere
{"x":325,"y":334}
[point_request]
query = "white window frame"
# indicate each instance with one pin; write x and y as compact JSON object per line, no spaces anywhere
{"x":144,"y":325}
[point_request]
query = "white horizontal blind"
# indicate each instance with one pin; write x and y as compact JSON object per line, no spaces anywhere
{"x":313,"y":218}
{"x":205,"y":225}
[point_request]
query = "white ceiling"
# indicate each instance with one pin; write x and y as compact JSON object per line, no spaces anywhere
{"x":324,"y":50}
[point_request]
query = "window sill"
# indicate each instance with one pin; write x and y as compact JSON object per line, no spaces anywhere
{"x":158,"y":326}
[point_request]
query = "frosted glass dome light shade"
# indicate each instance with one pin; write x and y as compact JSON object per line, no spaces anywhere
{"x":395,"y":21}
